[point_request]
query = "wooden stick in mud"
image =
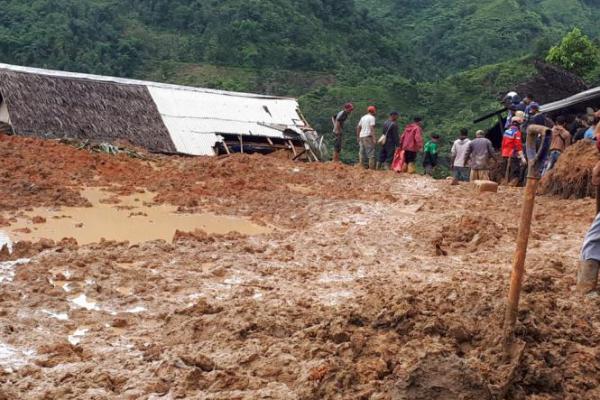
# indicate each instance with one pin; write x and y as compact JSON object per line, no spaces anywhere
{"x":518,"y":271}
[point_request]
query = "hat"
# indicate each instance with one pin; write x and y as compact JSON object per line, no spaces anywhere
{"x":372,"y":109}
{"x":534,"y":106}
{"x":480,"y":133}
{"x":519,"y":115}
{"x":348,"y":106}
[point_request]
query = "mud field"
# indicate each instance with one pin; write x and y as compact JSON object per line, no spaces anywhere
{"x":345,"y":284}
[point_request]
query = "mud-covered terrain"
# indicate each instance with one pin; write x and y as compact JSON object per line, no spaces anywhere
{"x":364,"y":286}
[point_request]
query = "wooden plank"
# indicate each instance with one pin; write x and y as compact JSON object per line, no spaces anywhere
{"x":313,"y":154}
{"x":293,"y":148}
{"x":299,"y":155}
{"x":226,"y":147}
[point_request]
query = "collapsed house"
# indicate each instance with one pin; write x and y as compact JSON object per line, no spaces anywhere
{"x":159,"y":117}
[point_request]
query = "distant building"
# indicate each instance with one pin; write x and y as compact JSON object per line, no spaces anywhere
{"x":159,"y":117}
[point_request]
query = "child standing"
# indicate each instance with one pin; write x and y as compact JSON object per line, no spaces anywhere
{"x":430,"y":159}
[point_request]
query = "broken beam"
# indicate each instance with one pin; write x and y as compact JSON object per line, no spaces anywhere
{"x":293,"y":148}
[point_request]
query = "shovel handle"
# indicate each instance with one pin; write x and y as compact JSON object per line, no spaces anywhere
{"x":518,"y":269}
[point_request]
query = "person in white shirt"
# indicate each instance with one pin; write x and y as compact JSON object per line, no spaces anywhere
{"x":365,"y":134}
{"x":460,"y":147}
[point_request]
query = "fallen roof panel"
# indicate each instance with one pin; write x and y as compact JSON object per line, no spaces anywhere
{"x":193,"y":118}
{"x":576,"y":100}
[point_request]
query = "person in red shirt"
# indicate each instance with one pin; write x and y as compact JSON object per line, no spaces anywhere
{"x":512,"y":148}
{"x":411,"y":142}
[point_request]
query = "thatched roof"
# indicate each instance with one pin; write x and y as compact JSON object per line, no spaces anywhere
{"x":83,"y":109}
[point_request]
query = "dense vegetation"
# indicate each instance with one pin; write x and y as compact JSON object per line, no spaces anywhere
{"x":446,"y":60}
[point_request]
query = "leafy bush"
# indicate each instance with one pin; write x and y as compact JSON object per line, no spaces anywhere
{"x":575,"y":53}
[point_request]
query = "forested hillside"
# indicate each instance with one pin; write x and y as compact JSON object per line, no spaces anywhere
{"x":126,"y":36}
{"x":446,"y":60}
{"x":448,"y":36}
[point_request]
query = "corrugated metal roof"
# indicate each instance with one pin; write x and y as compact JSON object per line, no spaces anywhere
{"x":580,"y":98}
{"x":195,"y":117}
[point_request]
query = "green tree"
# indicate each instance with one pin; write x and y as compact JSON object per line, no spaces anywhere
{"x":576,"y":53}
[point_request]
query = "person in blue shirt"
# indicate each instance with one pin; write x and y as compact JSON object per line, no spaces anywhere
{"x":590,"y":133}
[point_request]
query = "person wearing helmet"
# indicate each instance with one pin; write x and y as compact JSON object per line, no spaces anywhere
{"x":365,"y":134}
{"x":512,"y":101}
{"x":338,"y":121}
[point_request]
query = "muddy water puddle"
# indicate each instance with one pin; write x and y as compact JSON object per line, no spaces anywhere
{"x":122,"y":218}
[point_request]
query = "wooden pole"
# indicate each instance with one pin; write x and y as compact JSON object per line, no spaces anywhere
{"x":293,"y":148}
{"x":518,"y":270}
{"x":226,"y":147}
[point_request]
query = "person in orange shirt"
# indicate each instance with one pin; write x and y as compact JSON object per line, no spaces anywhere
{"x":512,"y":148}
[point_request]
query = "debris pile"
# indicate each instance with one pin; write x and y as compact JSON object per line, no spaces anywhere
{"x":572,"y":175}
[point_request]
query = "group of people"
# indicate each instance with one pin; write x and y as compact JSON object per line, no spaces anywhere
{"x":562,"y":131}
{"x":471,"y":159}
{"x":410,"y":142}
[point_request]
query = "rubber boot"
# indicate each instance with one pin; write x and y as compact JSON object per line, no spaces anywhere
{"x":378,"y":166}
{"x":336,"y":157}
{"x":411,"y":168}
{"x":587,"y":278}
{"x":372,"y":163}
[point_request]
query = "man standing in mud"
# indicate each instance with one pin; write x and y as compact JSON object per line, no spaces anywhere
{"x":587,"y":277}
{"x":365,"y":134}
{"x":392,"y":141}
{"x":338,"y":129}
{"x":479,"y":154}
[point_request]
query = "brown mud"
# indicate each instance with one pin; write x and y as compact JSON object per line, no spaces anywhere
{"x":135,"y":218}
{"x":370,"y":286}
